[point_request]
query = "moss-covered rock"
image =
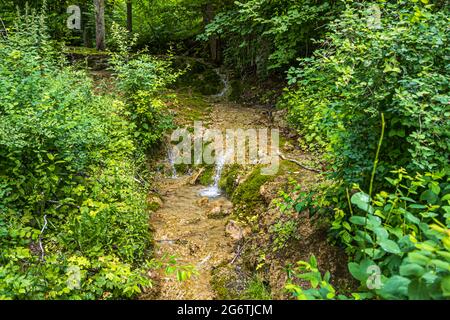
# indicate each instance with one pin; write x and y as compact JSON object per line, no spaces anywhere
{"x":248,"y":191}
{"x":229,"y":180}
{"x":228,"y":281}
{"x":200,"y":77}
{"x":207,"y":176}
{"x":236,"y":90}
{"x":87,"y":57}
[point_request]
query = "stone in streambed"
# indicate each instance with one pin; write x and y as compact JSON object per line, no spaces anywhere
{"x":220,"y":209}
{"x":234,"y":230}
{"x":202,"y":201}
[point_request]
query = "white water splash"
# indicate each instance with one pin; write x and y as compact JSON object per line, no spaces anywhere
{"x":171,"y":159}
{"x":214,"y":191}
{"x":226,"y":85}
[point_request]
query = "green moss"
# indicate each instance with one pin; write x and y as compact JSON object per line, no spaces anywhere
{"x":256,"y":290}
{"x":248,"y":191}
{"x":228,"y":180}
{"x":210,"y":83}
{"x":84,"y":51}
{"x":182,"y":168}
{"x":192,"y":107}
{"x":226,"y":283}
{"x":153,"y":206}
{"x":236,"y":90}
{"x":207,"y":177}
{"x":200,"y":77}
{"x":287,"y":167}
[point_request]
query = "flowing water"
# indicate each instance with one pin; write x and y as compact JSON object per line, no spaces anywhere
{"x":171,"y":160}
{"x":184,"y":228}
{"x":214,"y":191}
{"x":225,"y":82}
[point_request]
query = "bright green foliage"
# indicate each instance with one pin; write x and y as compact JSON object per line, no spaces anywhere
{"x":65,"y":158}
{"x":56,"y":11}
{"x":256,"y":289}
{"x":261,"y":35}
{"x":140,"y":77}
{"x":163,"y":23}
{"x":404,"y":233}
{"x":399,"y":68}
{"x":320,"y":287}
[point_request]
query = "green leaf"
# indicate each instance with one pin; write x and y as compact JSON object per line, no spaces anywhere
{"x":416,"y":257}
{"x":358,"y":220}
{"x":417,"y":290}
{"x":362,"y":201}
{"x":411,"y":218}
{"x":389,"y":246}
{"x":445,"y":286}
{"x":429,"y":196}
{"x":411,"y":269}
{"x":395,"y":288}
{"x":359,"y":270}
{"x":381,"y":233}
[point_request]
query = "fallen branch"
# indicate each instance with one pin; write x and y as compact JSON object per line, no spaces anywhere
{"x":298,"y":163}
{"x":194,"y":178}
{"x":167,"y":240}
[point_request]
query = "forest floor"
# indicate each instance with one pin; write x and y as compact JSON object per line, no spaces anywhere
{"x":226,"y":250}
{"x":183,"y":226}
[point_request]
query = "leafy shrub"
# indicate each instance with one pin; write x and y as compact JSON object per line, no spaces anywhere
{"x":320,"y":286}
{"x":399,"y":69}
{"x":404,"y":233}
{"x":73,"y":219}
{"x":403,"y":236}
{"x":263,"y":35}
{"x":140,"y":77}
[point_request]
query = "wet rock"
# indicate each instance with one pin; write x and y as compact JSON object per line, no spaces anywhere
{"x":220,"y":210}
{"x":203,"y":201}
{"x":154,"y":202}
{"x":234,"y":230}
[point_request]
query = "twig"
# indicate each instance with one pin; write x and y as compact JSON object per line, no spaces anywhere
{"x":298,"y":163}
{"x":238,"y":253}
{"x":63,"y":204}
{"x":139,"y":181}
{"x":40,"y":238}
{"x":4,"y":28}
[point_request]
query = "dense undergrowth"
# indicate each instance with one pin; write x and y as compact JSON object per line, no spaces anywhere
{"x":366,"y":92}
{"x":374,"y":101}
{"x":74,"y":217}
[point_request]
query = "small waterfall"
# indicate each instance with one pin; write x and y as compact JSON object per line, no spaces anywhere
{"x":170,"y":157}
{"x":214,"y":191}
{"x":225,"y":82}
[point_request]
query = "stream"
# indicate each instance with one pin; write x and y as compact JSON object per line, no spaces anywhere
{"x":192,"y":221}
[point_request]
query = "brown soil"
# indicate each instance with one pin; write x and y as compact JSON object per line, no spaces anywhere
{"x":182,"y":227}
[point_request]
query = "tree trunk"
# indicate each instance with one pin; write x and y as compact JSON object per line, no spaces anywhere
{"x":208,"y":17}
{"x":100,"y":24}
{"x":130,"y":15}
